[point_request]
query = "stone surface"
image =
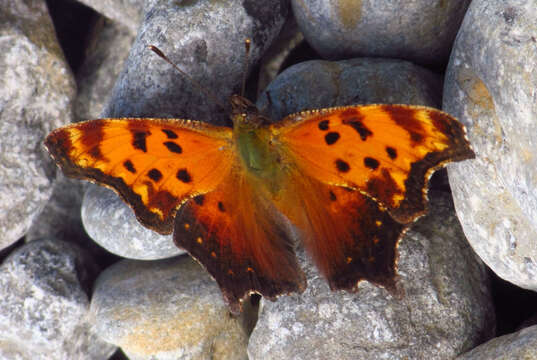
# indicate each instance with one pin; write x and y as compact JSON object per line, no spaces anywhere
{"x":317,"y":84}
{"x":490,"y":86}
{"x":44,"y":304}
{"x":36,"y":90}
{"x":418,"y":30}
{"x":105,"y":57}
{"x":519,"y":345}
{"x":445,"y":310}
{"x":206,"y":39}
{"x":60,"y":218}
{"x":125,"y":12}
{"x":112,"y":224}
{"x":166,"y":309}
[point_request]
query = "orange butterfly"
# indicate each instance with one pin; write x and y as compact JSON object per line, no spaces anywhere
{"x":350,"y":178}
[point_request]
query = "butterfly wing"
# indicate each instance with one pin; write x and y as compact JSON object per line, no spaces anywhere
{"x":348,"y":235}
{"x":241,"y":240}
{"x":154,"y":164}
{"x":387,"y":152}
{"x":358,"y":178}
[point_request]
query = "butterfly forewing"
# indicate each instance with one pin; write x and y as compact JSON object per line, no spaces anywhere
{"x":387,"y":152}
{"x":154,"y":164}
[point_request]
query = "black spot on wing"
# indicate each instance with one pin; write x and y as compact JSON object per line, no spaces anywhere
{"x":155,"y":175}
{"x":357,"y":124}
{"x":170,"y":133}
{"x":342,"y":166}
{"x":173,"y":147}
{"x":331,"y":138}
{"x":129,"y":166}
{"x":323,"y":125}
{"x":184,"y":176}
{"x":139,"y":140}
{"x":371,"y":163}
{"x":221,"y":207}
{"x":392,"y":153}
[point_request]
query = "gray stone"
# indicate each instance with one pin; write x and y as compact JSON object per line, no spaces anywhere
{"x":166,"y":309}
{"x":111,"y":223}
{"x":103,"y":63}
{"x":445,"y":308}
{"x":490,"y":86}
{"x":519,"y":345}
{"x":418,"y":30}
{"x":36,"y":90}
{"x":206,"y":39}
{"x":44,"y":306}
{"x":127,"y":13}
{"x":319,"y":84}
{"x":60,"y":218}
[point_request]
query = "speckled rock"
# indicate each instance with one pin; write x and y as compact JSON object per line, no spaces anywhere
{"x":102,"y":65}
{"x":317,"y":84}
{"x":166,"y":309}
{"x":36,"y":88}
{"x":418,"y":30}
{"x":112,"y":224}
{"x":519,"y":345}
{"x":490,"y":86}
{"x":206,"y":39}
{"x":446,"y":307}
{"x":44,"y":304}
{"x":60,"y":218}
{"x":125,"y":12}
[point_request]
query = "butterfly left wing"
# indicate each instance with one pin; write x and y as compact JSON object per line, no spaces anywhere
{"x":153,"y":164}
{"x":387,"y":152}
{"x":238,"y":236}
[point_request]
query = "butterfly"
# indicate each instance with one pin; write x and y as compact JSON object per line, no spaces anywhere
{"x":351,"y":179}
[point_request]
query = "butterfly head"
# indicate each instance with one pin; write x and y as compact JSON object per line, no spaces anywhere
{"x":245,"y":114}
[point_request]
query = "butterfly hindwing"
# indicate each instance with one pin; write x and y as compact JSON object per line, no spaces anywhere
{"x":154,"y":164}
{"x":385,"y":151}
{"x":239,"y":238}
{"x":348,"y":235}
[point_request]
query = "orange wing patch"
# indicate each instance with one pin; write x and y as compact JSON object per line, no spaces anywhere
{"x":238,"y":236}
{"x":388,"y":152}
{"x":154,"y":164}
{"x":348,"y":235}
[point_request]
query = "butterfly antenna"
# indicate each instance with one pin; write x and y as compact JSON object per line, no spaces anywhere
{"x":202,"y":89}
{"x":247,"y":43}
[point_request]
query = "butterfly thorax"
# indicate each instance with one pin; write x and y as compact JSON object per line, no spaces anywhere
{"x":253,"y":141}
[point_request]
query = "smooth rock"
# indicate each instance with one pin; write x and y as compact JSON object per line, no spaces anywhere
{"x":421,"y":31}
{"x":490,"y":86}
{"x":111,"y":223}
{"x":519,"y":345}
{"x":104,"y":60}
{"x":44,"y":304}
{"x":206,"y":39}
{"x":445,"y":308}
{"x":320,"y":84}
{"x":166,"y":309}
{"x":36,"y":88}
{"x":126,"y":13}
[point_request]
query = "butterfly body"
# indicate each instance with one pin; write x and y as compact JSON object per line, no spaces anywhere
{"x":350,"y":179}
